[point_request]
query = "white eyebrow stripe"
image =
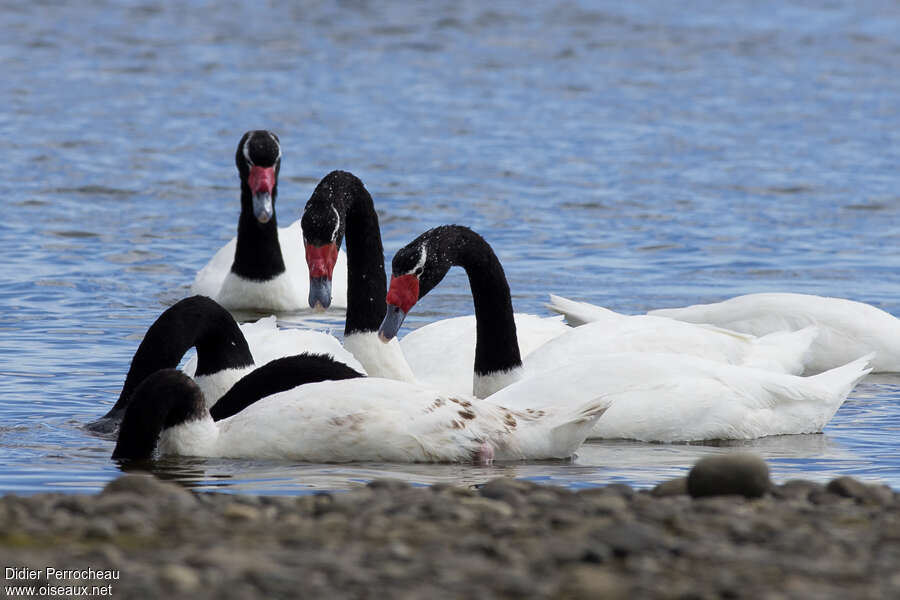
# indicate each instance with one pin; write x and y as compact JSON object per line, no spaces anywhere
{"x":421,"y":263}
{"x":337,"y":223}
{"x":247,"y":150}
{"x":277,"y":145}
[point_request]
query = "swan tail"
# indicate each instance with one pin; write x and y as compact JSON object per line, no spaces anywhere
{"x":260,"y":327}
{"x":783,"y":351}
{"x":557,"y":433}
{"x":835,"y":385}
{"x":570,"y":434}
{"x":577,"y":313}
{"x":843,"y":379}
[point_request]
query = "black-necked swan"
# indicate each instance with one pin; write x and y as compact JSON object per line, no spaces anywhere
{"x":443,"y":247}
{"x":225,"y":351}
{"x":264,"y":267}
{"x":847,"y":328}
{"x":654,"y":396}
{"x":342,"y":209}
{"x":350,"y":420}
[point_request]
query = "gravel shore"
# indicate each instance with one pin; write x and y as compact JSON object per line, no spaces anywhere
{"x":507,"y":539}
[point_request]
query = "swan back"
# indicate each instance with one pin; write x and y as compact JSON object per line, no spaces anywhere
{"x":668,"y":398}
{"x":385,"y":420}
{"x":847,"y":329}
{"x":785,"y":352}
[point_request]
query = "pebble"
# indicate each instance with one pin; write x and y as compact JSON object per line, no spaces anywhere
{"x":241,"y":512}
{"x":180,"y":577}
{"x":511,"y":491}
{"x":797,"y":488}
{"x":391,"y":485}
{"x":737,"y":473}
{"x":100,"y":529}
{"x":587,"y":582}
{"x":849,"y":487}
{"x":622,"y":489}
{"x":148,"y":486}
{"x":630,"y":537}
{"x":494,"y":508}
{"x":606,"y":504}
{"x":673,"y":487}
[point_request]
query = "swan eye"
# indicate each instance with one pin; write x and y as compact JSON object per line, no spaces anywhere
{"x":420,"y":265}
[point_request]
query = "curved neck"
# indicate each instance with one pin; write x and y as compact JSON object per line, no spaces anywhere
{"x":257,"y":256}
{"x":366,"y":280}
{"x":197,"y":322}
{"x":496,"y":345}
{"x":166,"y":399}
{"x":277,"y":376}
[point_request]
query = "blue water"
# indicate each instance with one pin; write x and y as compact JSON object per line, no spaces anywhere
{"x":636,"y":155}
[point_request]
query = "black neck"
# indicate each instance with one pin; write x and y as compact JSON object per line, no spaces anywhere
{"x":165,"y":399}
{"x":366,"y":280}
{"x":277,"y":376}
{"x":496,"y":345}
{"x":197,"y":322}
{"x":258,"y":255}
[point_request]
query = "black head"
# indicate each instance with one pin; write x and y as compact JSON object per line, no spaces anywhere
{"x":416,"y":269}
{"x":164,"y":399}
{"x":258,"y":160}
{"x":421,"y":265}
{"x":197,"y":322}
{"x":324,"y":223}
{"x":430,"y":256}
{"x":259,"y":148}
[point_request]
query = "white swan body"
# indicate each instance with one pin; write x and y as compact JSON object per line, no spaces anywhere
{"x":382,"y":420}
{"x":442,"y":353}
{"x":847,"y":328}
{"x":611,"y":332}
{"x":672,"y":398}
{"x":286,"y":292}
{"x":267,"y":342}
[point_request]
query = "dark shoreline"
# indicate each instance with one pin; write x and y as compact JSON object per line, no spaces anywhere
{"x":506,"y":539}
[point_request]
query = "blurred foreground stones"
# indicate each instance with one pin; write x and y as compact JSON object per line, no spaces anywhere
{"x":725,"y":532}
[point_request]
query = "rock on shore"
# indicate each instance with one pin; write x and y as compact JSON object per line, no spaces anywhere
{"x":508,"y":539}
